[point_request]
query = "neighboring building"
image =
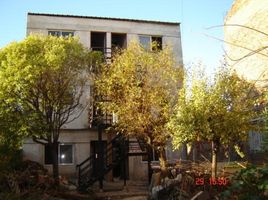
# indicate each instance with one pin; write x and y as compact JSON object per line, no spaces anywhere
{"x":78,"y":140}
{"x":246,"y":42}
{"x":246,"y":48}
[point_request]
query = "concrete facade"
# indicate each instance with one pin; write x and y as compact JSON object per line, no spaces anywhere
{"x":78,"y":133}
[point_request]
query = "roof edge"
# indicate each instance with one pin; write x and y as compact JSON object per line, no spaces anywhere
{"x":105,"y":18}
{"x":236,"y":6}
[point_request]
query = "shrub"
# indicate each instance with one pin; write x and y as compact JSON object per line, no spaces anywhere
{"x":10,"y":158}
{"x":249,"y":183}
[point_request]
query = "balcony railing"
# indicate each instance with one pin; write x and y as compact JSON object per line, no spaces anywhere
{"x":98,"y":116}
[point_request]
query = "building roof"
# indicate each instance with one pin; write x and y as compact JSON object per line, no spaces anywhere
{"x":106,"y":18}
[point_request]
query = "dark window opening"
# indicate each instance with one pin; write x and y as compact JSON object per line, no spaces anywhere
{"x":154,"y":156}
{"x":157,"y":43}
{"x":98,"y":41}
{"x":65,"y":154}
{"x":119,"y":40}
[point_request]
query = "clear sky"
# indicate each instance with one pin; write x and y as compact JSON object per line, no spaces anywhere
{"x":194,"y":15}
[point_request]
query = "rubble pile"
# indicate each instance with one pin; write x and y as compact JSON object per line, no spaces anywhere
{"x":29,"y":174}
{"x":181,"y":183}
{"x":30,"y":177}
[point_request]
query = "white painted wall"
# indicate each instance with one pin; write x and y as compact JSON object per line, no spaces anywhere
{"x":80,"y":139}
{"x":82,"y":28}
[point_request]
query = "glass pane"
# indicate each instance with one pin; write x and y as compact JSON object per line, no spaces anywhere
{"x":145,"y":41}
{"x":67,"y":34}
{"x":66,"y":154}
{"x":54,"y":33}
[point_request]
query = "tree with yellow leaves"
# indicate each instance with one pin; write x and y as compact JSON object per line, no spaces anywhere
{"x":141,"y":87}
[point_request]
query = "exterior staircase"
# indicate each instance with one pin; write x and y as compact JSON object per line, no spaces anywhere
{"x":95,"y":167}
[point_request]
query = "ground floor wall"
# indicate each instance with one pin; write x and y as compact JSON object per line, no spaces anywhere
{"x":138,"y":166}
{"x":82,"y":142}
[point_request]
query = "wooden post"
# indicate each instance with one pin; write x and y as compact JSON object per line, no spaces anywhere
{"x":149,"y":163}
{"x":100,"y":157}
{"x":124,"y":160}
{"x":79,"y":174}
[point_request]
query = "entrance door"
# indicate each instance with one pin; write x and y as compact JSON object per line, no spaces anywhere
{"x":96,"y":149}
{"x":118,"y":170}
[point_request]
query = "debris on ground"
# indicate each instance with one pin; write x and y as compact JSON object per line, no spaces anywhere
{"x":186,"y":180}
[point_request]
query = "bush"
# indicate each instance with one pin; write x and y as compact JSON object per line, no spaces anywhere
{"x":10,"y":159}
{"x":248,"y":184}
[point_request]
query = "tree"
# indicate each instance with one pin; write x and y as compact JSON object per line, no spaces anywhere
{"x":42,"y":80}
{"x":219,"y":112}
{"x":264,"y":145}
{"x":10,"y":143}
{"x":141,"y":86}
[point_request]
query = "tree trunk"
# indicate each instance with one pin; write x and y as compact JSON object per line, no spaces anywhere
{"x":184,"y":152}
{"x":55,"y":162}
{"x":195,"y":151}
{"x":163,"y":162}
{"x":215,"y":148}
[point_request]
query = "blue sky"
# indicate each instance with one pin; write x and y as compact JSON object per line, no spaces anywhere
{"x":195,"y":16}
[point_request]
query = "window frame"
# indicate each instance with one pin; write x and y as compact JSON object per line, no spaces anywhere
{"x":59,"y":156}
{"x":154,"y":154}
{"x":151,"y":41}
{"x":59,"y":162}
{"x":60,"y":33}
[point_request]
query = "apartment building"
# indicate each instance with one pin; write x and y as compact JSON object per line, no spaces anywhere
{"x":79,"y":139}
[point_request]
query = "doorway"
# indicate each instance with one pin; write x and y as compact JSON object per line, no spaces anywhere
{"x":118,"y":153}
{"x":96,"y":149}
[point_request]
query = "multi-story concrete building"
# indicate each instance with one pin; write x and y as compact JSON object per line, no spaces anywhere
{"x":78,"y":140}
{"x":246,"y":44}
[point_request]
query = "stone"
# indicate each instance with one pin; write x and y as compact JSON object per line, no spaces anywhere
{"x":72,"y":187}
{"x":178,"y":178}
{"x":155,"y":190}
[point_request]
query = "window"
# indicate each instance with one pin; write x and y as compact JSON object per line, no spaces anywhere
{"x":154,"y":156}
{"x":98,"y":41}
{"x":151,"y":42}
{"x":65,"y":154}
{"x":61,"y":33}
{"x":157,"y":43}
{"x":145,"y":41}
